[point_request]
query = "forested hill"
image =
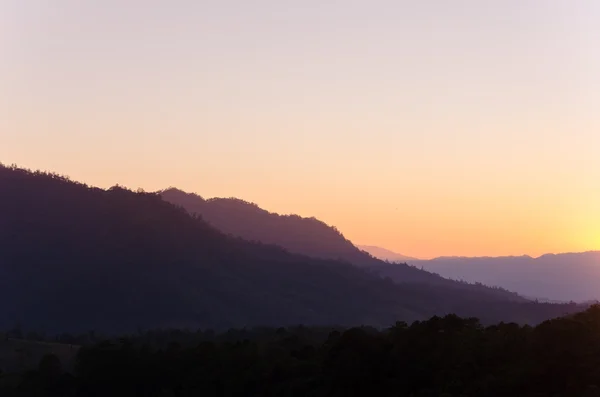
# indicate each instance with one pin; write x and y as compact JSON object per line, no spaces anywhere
{"x":77,"y":258}
{"x":306,"y":236}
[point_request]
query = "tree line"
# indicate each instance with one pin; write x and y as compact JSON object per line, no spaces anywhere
{"x":443,"y":356}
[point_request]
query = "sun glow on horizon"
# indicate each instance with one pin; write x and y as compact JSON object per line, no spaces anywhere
{"x":426,"y":130}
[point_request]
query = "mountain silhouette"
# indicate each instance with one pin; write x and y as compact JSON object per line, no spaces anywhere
{"x":560,"y":277}
{"x":385,"y":254}
{"x":78,"y":258}
{"x":296,"y":234}
{"x":306,"y":236}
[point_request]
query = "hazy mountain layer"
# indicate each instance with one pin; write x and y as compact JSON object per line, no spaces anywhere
{"x":570,"y":276}
{"x":385,"y":254}
{"x":237,"y":217}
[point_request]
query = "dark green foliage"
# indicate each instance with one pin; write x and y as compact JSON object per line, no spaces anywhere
{"x":443,"y":356}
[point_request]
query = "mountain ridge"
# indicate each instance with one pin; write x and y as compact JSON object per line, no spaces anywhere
{"x":557,"y":277}
{"x":385,"y":254}
{"x":299,"y":235}
{"x":79,"y":258}
{"x":549,"y":254}
{"x":306,"y":236}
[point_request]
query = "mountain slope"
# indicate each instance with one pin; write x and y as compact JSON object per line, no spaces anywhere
{"x":75,"y":258}
{"x":306,"y":236}
{"x":385,"y":254}
{"x":237,"y":217}
{"x":565,"y":277}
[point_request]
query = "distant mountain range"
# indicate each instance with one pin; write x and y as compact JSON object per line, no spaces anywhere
{"x":77,"y":258}
{"x":385,"y":254}
{"x":555,"y":277}
{"x":549,"y":278}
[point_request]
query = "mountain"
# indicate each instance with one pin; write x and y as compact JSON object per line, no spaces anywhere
{"x":556,"y":277}
{"x":77,"y":258}
{"x":385,"y":254}
{"x":306,"y":236}
{"x":296,"y":234}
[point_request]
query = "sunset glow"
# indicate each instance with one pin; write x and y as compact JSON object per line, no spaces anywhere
{"x":429,"y":128}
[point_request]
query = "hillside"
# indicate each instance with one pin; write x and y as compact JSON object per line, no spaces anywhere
{"x":385,"y":254}
{"x":76,"y":258}
{"x":296,"y":234}
{"x":563,"y":277}
{"x":306,"y":236}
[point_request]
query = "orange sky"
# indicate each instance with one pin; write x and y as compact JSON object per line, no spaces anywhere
{"x":423,"y":127}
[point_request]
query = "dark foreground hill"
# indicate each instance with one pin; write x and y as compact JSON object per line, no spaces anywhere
{"x":76,"y":258}
{"x":307,"y":236}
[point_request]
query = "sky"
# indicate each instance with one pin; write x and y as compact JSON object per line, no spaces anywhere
{"x":427,"y":127}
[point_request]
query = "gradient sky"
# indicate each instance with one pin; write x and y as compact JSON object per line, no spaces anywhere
{"x":431,"y":128}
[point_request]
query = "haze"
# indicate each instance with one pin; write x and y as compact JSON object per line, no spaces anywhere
{"x":429,"y":128}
